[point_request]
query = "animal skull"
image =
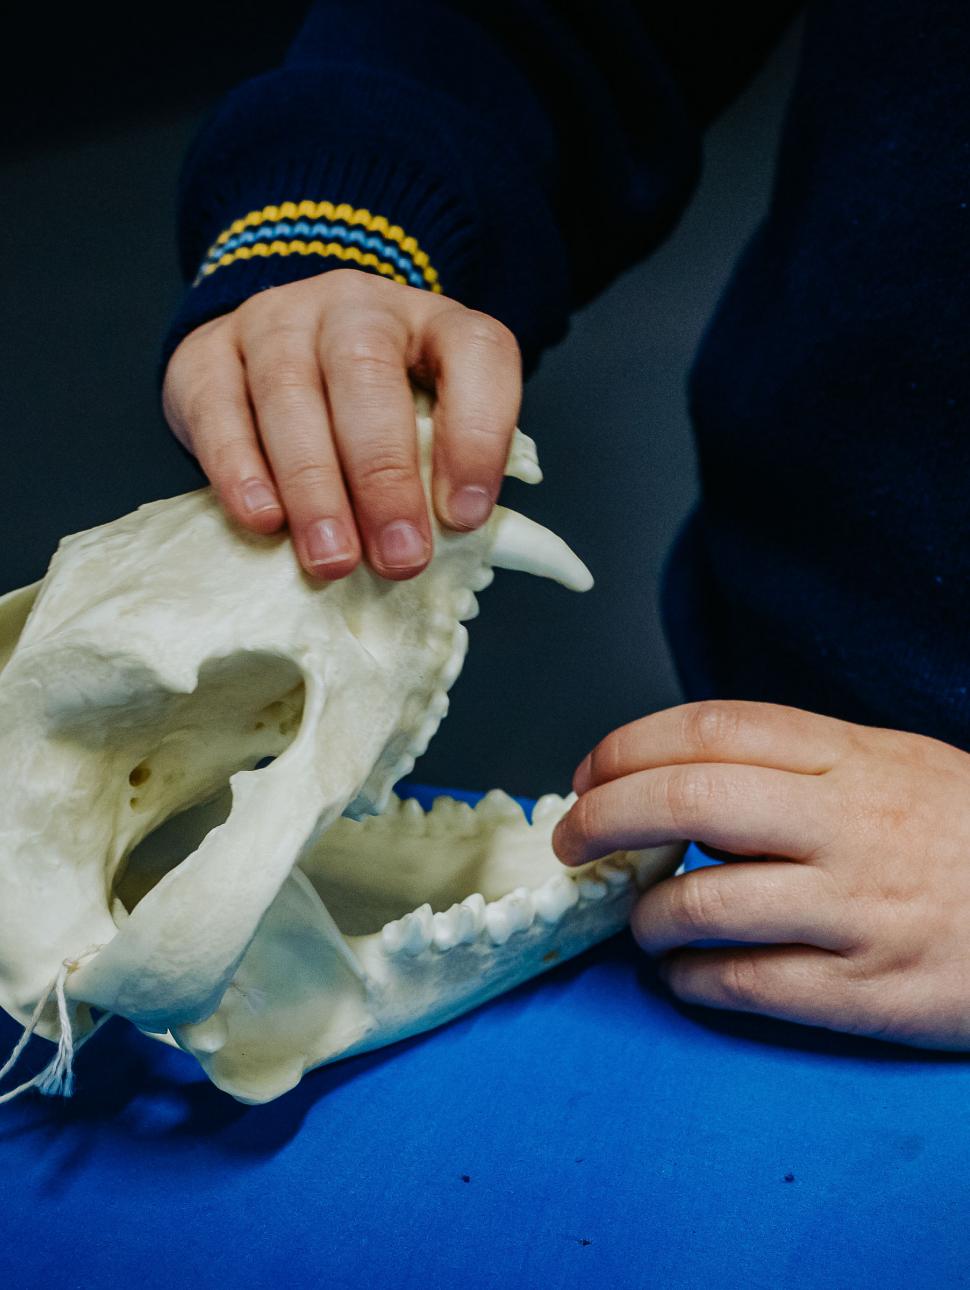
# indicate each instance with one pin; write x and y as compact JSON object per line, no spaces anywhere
{"x":269,"y":919}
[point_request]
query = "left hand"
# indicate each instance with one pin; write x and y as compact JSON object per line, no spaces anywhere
{"x":857,"y":907}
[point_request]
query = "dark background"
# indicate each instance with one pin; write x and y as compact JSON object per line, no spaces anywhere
{"x":88,"y":175}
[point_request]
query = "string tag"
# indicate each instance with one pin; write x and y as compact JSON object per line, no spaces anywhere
{"x":57,"y":1077}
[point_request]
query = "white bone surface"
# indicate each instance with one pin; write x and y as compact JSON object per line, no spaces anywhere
{"x":267,"y":920}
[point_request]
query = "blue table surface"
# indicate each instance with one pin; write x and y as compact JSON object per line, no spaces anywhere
{"x":583,"y":1130}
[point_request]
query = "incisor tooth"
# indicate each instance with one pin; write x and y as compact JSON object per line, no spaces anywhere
{"x":554,"y":897}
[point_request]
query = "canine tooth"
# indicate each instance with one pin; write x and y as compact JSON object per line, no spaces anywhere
{"x":475,"y":904}
{"x":613,"y":874}
{"x":549,"y":807}
{"x":554,"y":897}
{"x":392,"y":937}
{"x":520,"y":543}
{"x":591,"y":888}
{"x":418,"y":930}
{"x":445,"y":932}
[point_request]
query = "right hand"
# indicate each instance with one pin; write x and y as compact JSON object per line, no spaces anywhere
{"x":298,"y":407}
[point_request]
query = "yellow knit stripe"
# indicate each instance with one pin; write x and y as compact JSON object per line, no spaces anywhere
{"x":297,"y":246}
{"x":344,"y":212}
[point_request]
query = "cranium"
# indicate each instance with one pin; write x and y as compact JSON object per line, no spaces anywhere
{"x":264,"y":917}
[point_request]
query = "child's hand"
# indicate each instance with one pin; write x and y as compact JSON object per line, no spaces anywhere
{"x":858,"y":917}
{"x":298,"y":408}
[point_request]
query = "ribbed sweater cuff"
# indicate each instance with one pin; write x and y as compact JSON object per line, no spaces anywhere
{"x":300,"y":172}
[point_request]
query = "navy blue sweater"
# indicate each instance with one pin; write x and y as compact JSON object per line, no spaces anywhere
{"x":517,"y":155}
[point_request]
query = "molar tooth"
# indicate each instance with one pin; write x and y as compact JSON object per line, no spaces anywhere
{"x":554,"y":897}
{"x":418,"y":930}
{"x":392,"y":937}
{"x":549,"y":807}
{"x":591,"y":888}
{"x":482,"y":578}
{"x":497,"y":805}
{"x":498,"y":922}
{"x":466,"y":924}
{"x":412,"y":817}
{"x":520,"y":908}
{"x":475,"y":904}
{"x":445,"y":933}
{"x":612,"y":873}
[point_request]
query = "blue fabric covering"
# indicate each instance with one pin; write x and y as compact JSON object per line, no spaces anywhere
{"x":581,"y":1131}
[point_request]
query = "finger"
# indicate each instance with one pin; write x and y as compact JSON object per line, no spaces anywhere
{"x":287,"y":394}
{"x":478,"y":386}
{"x":748,"y":810}
{"x":719,"y":730}
{"x":372,"y":409}
{"x":766,"y":902}
{"x":792,"y":982}
{"x":208,"y":409}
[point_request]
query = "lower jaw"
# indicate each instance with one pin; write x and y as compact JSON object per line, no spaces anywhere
{"x":426,"y":966}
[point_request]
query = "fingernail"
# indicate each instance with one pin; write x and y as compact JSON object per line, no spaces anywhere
{"x":469,"y":506}
{"x":328,"y":542}
{"x":582,"y":776}
{"x":401,"y":545}
{"x":258,"y":496}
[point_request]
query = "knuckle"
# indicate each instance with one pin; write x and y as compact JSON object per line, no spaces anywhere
{"x":371,"y":354}
{"x":288,"y":377}
{"x":220,"y":460}
{"x":741,"y":982}
{"x":710,"y":726}
{"x":485,"y":332}
{"x":386,"y":470}
{"x":687,"y":791}
{"x":344,"y":284}
{"x":309,"y":477}
{"x":610,"y":756}
{"x":697,"y":904}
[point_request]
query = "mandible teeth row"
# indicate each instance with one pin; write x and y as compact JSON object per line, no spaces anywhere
{"x":499,"y":920}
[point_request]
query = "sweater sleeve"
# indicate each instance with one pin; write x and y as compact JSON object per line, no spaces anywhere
{"x":514,"y":155}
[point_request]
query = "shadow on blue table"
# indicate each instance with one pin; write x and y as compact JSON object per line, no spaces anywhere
{"x":582,"y":1129}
